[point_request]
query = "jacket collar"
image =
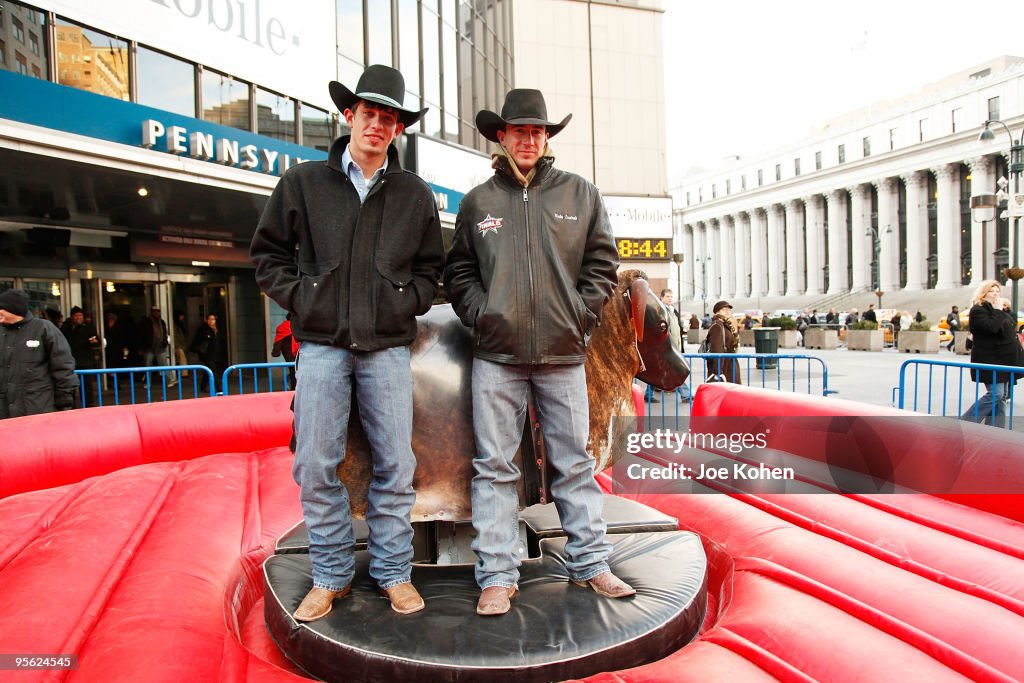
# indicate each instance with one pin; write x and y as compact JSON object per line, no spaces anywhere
{"x":502,"y":165}
{"x":338,"y":148}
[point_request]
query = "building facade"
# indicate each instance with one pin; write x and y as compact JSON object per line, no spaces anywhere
{"x":876,"y":201}
{"x":139,"y":140}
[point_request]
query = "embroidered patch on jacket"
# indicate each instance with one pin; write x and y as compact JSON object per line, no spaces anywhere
{"x":489,"y":224}
{"x":32,"y":343}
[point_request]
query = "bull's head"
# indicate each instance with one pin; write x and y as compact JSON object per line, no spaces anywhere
{"x":662,"y":366}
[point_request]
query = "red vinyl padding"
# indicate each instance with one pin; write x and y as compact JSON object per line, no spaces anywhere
{"x":152,"y":572}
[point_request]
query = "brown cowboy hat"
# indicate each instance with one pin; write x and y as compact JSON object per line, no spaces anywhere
{"x":523,"y":107}
{"x":381,"y":85}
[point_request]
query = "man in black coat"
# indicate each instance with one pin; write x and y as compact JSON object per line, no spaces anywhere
{"x":82,"y":339}
{"x":37,"y":371}
{"x":352,"y":247}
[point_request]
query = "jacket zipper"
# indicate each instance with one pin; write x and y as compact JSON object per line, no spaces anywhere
{"x":531,"y":323}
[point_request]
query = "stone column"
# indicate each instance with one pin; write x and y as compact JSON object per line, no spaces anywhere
{"x":917,"y":230}
{"x":983,"y":233}
{"x":947,"y":179}
{"x":741,"y":232}
{"x":837,"y":230}
{"x":714,"y":257}
{"x":888,"y":234}
{"x":688,"y":252}
{"x":758,"y":254}
{"x":726,"y":256}
{"x":860,"y":224}
{"x":775,"y":254}
{"x":795,"y":275}
{"x":815,"y":244}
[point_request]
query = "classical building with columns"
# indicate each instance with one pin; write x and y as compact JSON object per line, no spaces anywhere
{"x":877,"y":200}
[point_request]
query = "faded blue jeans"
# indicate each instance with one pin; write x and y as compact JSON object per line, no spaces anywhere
{"x":995,"y":393}
{"x":500,"y":395}
{"x":382,"y":382}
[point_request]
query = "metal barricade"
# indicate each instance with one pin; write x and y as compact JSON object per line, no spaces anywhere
{"x":151,"y":384}
{"x":796,"y":373}
{"x":939,"y":387}
{"x":284,"y":372}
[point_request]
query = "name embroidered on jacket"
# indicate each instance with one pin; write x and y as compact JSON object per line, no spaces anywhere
{"x":489,"y":224}
{"x":566,"y":217}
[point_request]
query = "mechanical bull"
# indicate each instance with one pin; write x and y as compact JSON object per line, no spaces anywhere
{"x":631,"y":341}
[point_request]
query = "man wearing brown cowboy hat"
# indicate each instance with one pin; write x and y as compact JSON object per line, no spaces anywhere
{"x":351,"y":246}
{"x":532,"y":264}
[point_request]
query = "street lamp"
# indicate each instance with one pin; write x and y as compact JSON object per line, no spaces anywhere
{"x":677,"y":259}
{"x":704,"y":281}
{"x":876,"y":265}
{"x":1014,"y":272}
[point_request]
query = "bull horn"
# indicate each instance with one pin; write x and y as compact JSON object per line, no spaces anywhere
{"x":638,"y":291}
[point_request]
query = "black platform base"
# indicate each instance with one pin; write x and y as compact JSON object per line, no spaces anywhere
{"x":555,"y":630}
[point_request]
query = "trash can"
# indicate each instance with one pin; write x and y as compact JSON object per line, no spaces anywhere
{"x":766,"y":340}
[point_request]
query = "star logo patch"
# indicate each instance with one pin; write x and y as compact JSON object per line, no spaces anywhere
{"x":489,"y":224}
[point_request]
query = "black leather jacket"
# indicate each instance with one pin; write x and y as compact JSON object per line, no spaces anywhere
{"x":530,"y":269}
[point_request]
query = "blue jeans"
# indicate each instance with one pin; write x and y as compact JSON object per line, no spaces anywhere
{"x":995,"y":393}
{"x":500,"y":396}
{"x":382,"y":381}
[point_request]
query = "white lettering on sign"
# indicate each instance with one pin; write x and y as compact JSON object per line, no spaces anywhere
{"x":176,"y":140}
{"x":441,"y":199}
{"x":244,"y":18}
{"x":201,"y":145}
{"x":221,"y":150}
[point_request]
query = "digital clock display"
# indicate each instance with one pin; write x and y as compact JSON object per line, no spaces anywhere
{"x":646,"y":248}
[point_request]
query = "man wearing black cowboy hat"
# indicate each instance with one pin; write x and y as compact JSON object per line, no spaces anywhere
{"x":532,"y":264}
{"x":351,"y":246}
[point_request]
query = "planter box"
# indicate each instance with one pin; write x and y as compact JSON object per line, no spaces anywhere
{"x":789,"y":339}
{"x":919,"y":341}
{"x":820,"y":338}
{"x":960,"y":343}
{"x":866,"y":340}
{"x":746,"y":337}
{"x":696,"y":336}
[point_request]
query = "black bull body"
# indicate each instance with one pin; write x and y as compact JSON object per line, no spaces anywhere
{"x":634,"y":326}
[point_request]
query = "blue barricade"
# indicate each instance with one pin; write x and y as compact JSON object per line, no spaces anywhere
{"x":118,"y":386}
{"x":251,"y":378}
{"x":939,"y":387}
{"x":798,"y":373}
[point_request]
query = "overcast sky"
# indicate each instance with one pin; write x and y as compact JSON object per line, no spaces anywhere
{"x":748,"y":76}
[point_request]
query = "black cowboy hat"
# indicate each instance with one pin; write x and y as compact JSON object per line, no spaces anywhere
{"x":523,"y":107}
{"x":381,"y":85}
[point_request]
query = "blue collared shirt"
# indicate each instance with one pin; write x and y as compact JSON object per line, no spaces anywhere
{"x":355,"y":174}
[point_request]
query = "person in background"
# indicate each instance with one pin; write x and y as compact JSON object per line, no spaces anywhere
{"x":766,"y":320}
{"x":211,"y":345}
{"x":180,"y":337}
{"x":724,"y":338}
{"x":748,"y":322}
{"x":832,"y":317}
{"x":897,"y":324}
{"x":286,"y":347}
{"x":870,"y":314}
{"x":953,"y":322}
{"x":852,"y":317}
{"x":994,"y":343}
{"x":55,"y":317}
{"x":676,"y":335}
{"x":155,"y":343}
{"x":84,"y":343}
{"x":37,"y":370}
{"x":919,"y":317}
{"x":814,"y":320}
{"x":694,"y":322}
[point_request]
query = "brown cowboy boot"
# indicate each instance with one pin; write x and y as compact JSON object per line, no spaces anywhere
{"x":404,"y":597}
{"x":318,"y":602}
{"x":608,"y":585}
{"x":495,"y":600}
